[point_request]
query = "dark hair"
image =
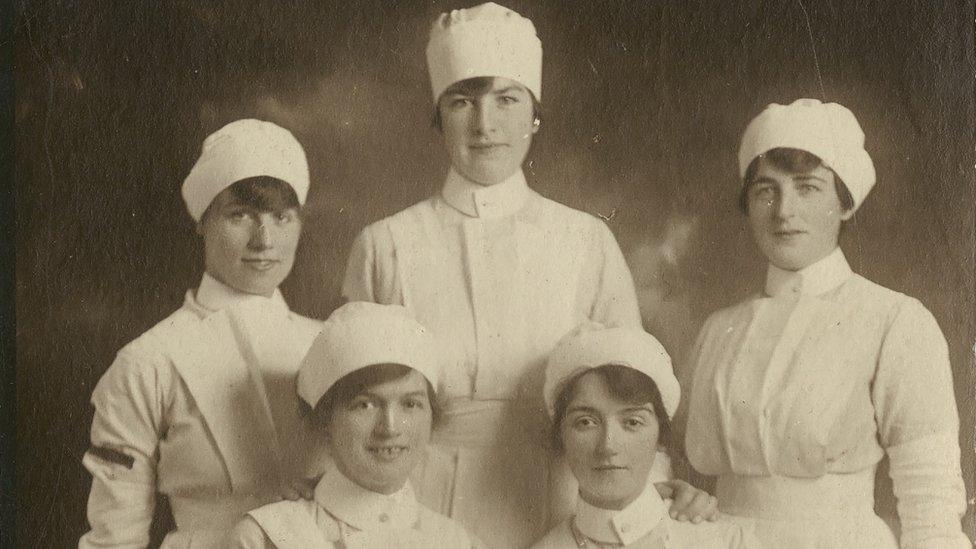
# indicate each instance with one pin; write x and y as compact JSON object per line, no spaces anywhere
{"x":625,"y":384}
{"x":355,"y":384}
{"x":794,"y":161}
{"x":478,"y":85}
{"x":262,"y":193}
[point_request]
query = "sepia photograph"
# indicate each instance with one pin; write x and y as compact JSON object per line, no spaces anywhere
{"x":511,"y":274}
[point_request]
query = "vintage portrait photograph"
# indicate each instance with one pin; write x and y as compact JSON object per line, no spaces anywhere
{"x":508,"y":274}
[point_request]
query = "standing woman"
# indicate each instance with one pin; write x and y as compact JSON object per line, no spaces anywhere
{"x":496,"y":271}
{"x":192,"y":408}
{"x":800,"y":391}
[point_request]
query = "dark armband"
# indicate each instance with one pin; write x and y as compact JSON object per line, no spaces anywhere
{"x":112,"y":456}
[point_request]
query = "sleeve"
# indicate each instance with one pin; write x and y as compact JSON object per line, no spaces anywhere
{"x":370,"y":271}
{"x":247,"y":534}
{"x":125,"y":432}
{"x":616,"y":299}
{"x":918,"y":426}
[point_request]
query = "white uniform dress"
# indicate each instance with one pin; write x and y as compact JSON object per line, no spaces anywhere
{"x":193,"y":409}
{"x":799,"y":393}
{"x":345,"y":515}
{"x":644,"y":524}
{"x":498,"y":274}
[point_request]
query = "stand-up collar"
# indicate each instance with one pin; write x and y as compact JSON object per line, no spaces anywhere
{"x":364,"y":509}
{"x":821,"y":277}
{"x":498,"y":200}
{"x":624,"y":526}
{"x":214,"y":295}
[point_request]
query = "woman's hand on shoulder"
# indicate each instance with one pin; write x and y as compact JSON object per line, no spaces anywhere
{"x":688,"y":503}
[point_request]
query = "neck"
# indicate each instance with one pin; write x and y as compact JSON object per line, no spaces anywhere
{"x":610,"y":505}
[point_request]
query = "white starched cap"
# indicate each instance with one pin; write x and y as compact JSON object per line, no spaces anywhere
{"x":592,"y":345}
{"x":242,"y":149}
{"x":361,"y":334}
{"x":486,"y":40}
{"x":828,"y":130}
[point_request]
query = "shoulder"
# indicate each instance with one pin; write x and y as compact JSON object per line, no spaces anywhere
{"x":556,"y":212}
{"x":730,"y":314}
{"x":247,"y":534}
{"x":150,"y":354}
{"x":379,"y":234}
{"x":893,"y":306}
{"x":449,"y":532}
{"x":559,"y":537}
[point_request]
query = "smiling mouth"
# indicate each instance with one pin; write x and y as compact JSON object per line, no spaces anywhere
{"x":609,"y":468}
{"x":484,"y":147}
{"x":787,"y":234}
{"x":387,"y":453}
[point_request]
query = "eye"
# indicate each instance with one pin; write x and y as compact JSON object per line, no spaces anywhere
{"x":236,"y":214}
{"x":584,"y":422}
{"x":508,"y":100}
{"x":634,"y":422}
{"x":459,"y":102}
{"x":284,"y":217}
{"x":415,"y":403}
{"x":361,"y":404}
{"x":807,"y":188}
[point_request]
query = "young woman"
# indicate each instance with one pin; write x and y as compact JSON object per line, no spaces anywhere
{"x":801,"y":390}
{"x":193,"y":408}
{"x":367,"y":386}
{"x":611,"y":394}
{"x":498,"y":273}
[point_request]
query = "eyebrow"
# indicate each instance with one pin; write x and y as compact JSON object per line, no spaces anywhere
{"x":808,"y":176}
{"x":370,"y":394}
{"x":592,"y":410}
{"x":507,"y":89}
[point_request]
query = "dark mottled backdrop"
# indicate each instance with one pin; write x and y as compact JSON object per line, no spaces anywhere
{"x":644,"y":104}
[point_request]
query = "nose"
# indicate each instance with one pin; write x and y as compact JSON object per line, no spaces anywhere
{"x":786,"y":203}
{"x":388,"y":424}
{"x":607,"y":446}
{"x":261,"y":234}
{"x":483,"y":118}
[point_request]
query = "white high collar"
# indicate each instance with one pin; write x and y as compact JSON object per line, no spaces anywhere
{"x":474,"y":200}
{"x":214,"y":295}
{"x":816,"y":279}
{"x":364,"y":509}
{"x":625,"y":526}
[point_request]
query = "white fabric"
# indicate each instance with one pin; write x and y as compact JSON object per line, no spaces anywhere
{"x":828,"y":130}
{"x":343,"y":514}
{"x":498,"y":274}
{"x":197,"y":403}
{"x":242,"y":149}
{"x":642,"y":524}
{"x":486,"y":40}
{"x":362,"y":334}
{"x":821,"y":382}
{"x":592,"y":345}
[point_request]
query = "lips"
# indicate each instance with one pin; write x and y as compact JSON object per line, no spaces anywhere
{"x":486,"y":147}
{"x":260,"y":264}
{"x":609,"y":468}
{"x":787,"y":233}
{"x":388,"y":453}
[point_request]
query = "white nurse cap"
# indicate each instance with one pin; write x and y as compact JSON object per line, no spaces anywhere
{"x":242,"y":149}
{"x":827,"y":130}
{"x":592,"y":345}
{"x":486,"y":40}
{"x":361,"y":334}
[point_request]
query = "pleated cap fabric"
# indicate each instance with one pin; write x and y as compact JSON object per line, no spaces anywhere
{"x":240,"y":150}
{"x":828,"y":130}
{"x":361,"y":334}
{"x":485,"y":40}
{"x":592,"y":345}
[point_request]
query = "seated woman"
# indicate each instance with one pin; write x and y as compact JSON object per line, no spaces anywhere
{"x":611,"y":393}
{"x":367,"y":387}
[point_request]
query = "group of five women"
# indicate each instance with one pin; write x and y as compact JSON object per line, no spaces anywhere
{"x":797,"y":393}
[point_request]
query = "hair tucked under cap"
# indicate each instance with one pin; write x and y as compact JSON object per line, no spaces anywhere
{"x":486,"y":40}
{"x":361,"y":334}
{"x":828,"y":130}
{"x":241,"y":150}
{"x":592,"y":345}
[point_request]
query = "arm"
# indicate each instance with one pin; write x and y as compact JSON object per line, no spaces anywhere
{"x":918,"y":427}
{"x":371,"y":269}
{"x":122,"y":459}
{"x":616,"y":300}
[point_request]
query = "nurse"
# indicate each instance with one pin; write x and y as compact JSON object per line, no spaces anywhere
{"x":611,"y":394}
{"x":800,"y":390}
{"x":367,"y":386}
{"x":193,"y":408}
{"x":498,"y":273}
